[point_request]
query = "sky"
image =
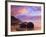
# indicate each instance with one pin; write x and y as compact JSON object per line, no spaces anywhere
{"x":26,"y":12}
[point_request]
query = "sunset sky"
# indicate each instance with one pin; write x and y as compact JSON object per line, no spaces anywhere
{"x":26,"y":13}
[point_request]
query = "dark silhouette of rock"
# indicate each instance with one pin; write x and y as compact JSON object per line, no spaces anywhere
{"x":14,"y":20}
{"x":30,"y":26}
{"x":26,"y":26}
{"x":22,"y":25}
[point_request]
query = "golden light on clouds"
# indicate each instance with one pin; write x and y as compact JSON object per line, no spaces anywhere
{"x":22,"y":10}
